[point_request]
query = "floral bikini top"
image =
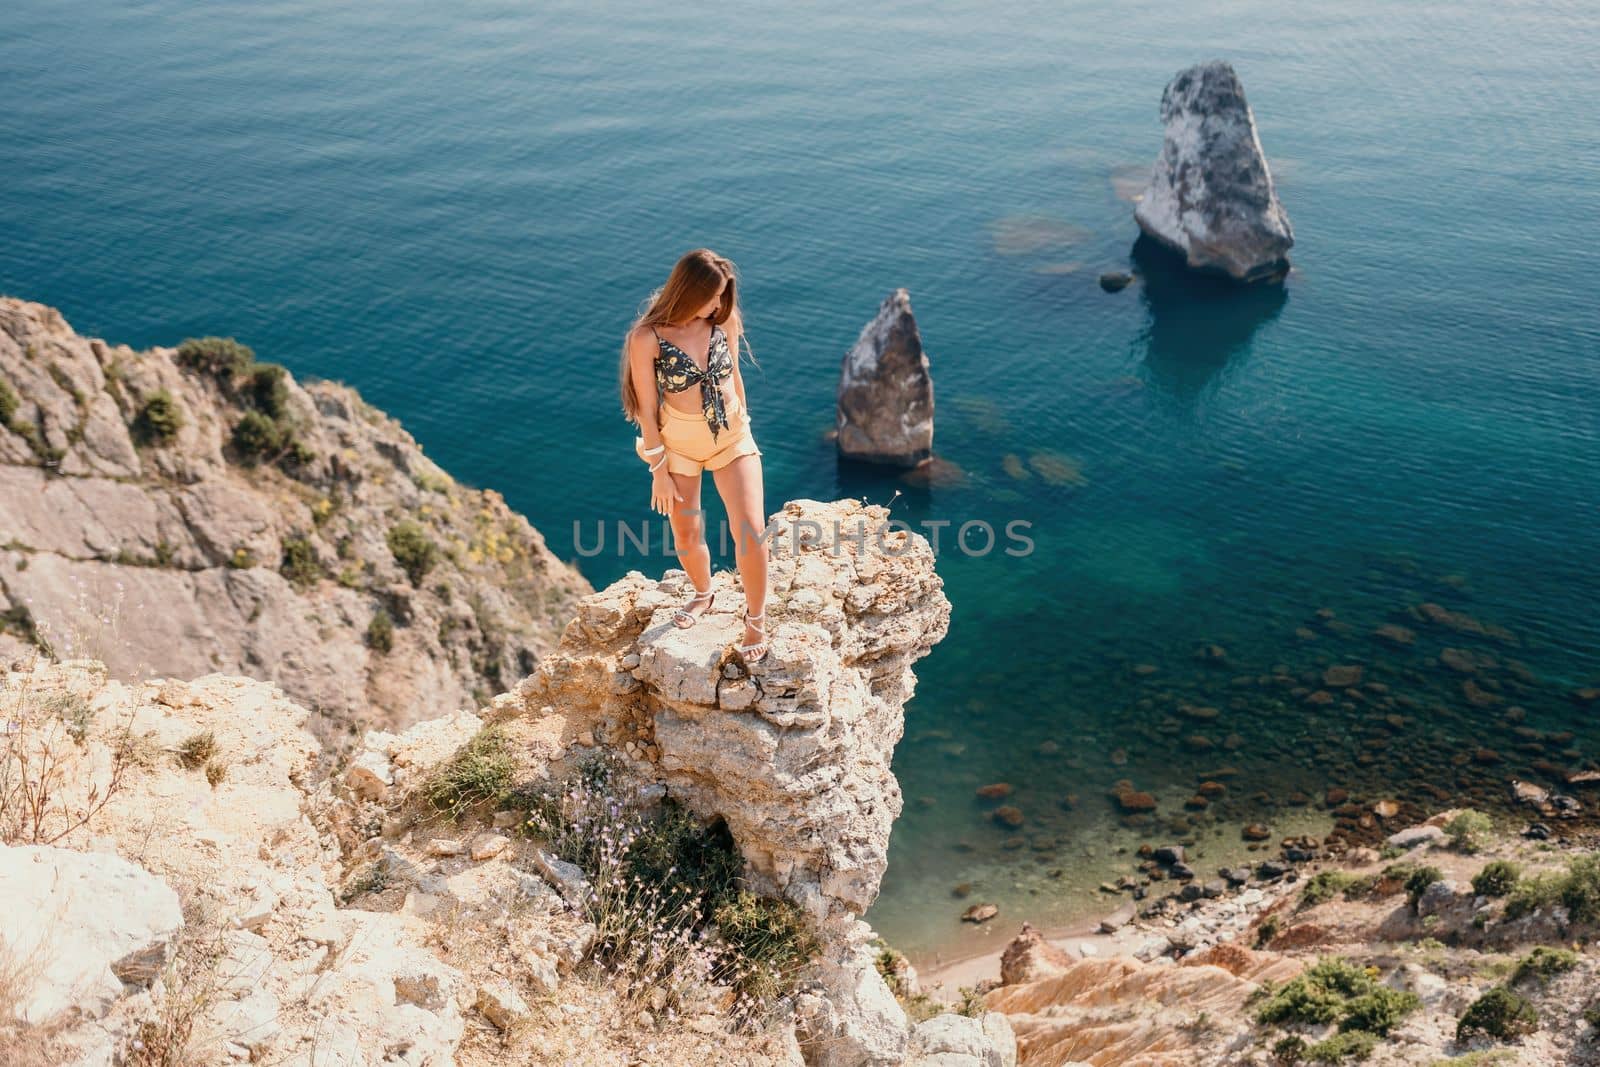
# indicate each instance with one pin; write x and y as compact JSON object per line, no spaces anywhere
{"x":676,"y":371}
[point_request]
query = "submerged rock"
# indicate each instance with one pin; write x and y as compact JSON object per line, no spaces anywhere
{"x":1211,"y":197}
{"x":885,"y":397}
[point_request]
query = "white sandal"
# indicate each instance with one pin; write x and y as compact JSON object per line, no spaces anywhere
{"x":763,"y":644}
{"x":681,"y":614}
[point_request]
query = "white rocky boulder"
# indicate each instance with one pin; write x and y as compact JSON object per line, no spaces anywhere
{"x":81,"y":928}
{"x":952,"y":1040}
{"x":1211,"y":197}
{"x":885,"y":397}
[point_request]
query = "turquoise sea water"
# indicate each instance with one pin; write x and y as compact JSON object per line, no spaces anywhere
{"x":457,"y":208}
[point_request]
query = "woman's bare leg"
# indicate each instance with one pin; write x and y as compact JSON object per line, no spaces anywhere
{"x":740,"y":485}
{"x":689,"y":535}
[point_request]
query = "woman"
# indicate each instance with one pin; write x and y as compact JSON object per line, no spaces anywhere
{"x":681,"y":385}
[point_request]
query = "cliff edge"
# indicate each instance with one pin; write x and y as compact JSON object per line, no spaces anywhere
{"x":249,"y":523}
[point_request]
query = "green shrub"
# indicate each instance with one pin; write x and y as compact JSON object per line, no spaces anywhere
{"x":267,"y":390}
{"x":413,"y":550}
{"x":1544,"y":963}
{"x":1379,"y":1010}
{"x":1418,"y":881}
{"x":1532,"y":892}
{"x":221,"y":357}
{"x":1499,"y":1013}
{"x":380,"y":631}
{"x":1350,"y":1045}
{"x":1325,"y":885}
{"x":1468,"y":830}
{"x":8,"y":403}
{"x":1580,"y":890}
{"x":256,"y":436}
{"x":1290,"y":1050}
{"x":478,"y":773}
{"x":300,"y":564}
{"x":1496,"y":879}
{"x":665,"y":896}
{"x":159,"y":421}
{"x":1337,"y":991}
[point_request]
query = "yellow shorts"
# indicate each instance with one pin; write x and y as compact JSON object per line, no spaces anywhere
{"x":690,"y":447}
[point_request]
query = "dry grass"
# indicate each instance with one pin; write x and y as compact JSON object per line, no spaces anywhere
{"x":23,"y":1044}
{"x":42,"y":733}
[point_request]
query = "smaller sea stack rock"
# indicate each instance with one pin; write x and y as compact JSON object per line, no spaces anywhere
{"x":885,"y":391}
{"x":1210,"y":197}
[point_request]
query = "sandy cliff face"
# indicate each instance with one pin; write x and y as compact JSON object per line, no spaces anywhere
{"x":317,"y":547}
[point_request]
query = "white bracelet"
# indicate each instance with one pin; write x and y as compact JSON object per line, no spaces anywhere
{"x":659,"y":462}
{"x":656,"y":451}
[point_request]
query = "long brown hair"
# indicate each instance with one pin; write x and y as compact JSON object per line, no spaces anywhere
{"x":695,"y":278}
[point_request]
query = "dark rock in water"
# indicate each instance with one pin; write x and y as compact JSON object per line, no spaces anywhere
{"x":1214,"y":888}
{"x":1477,"y":696}
{"x":1588,"y":695}
{"x":1341,"y":676}
{"x":1181,"y":871}
{"x":1168,"y":854}
{"x":1235,"y":875}
{"x":1337,"y":796}
{"x":961,"y":889}
{"x":1256,"y":832}
{"x":885,"y":395}
{"x":1115,"y":281}
{"x":1134,"y":801}
{"x":1007,"y":816}
{"x":995,"y":790}
{"x":1298,"y":854}
{"x":1396,"y":635}
{"x":1269,"y":869}
{"x":1191,"y":891}
{"x":980,"y":913}
{"x":1211,"y":197}
{"x":1199,"y":712}
{"x":1462,"y":623}
{"x":1211,"y":654}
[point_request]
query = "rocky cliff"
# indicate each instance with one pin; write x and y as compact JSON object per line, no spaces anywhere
{"x":272,"y":917}
{"x":240,"y":521}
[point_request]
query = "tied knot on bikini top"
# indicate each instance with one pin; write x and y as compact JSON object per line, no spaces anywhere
{"x":676,"y":371}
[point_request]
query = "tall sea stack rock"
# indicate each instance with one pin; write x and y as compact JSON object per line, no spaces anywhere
{"x":1210,"y":197}
{"x":885,"y":390}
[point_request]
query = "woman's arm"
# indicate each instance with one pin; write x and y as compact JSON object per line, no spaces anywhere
{"x":641,"y":364}
{"x":733,"y":350}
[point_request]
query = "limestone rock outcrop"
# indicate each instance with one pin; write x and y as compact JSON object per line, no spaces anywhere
{"x":54,"y":920}
{"x":1210,"y":197}
{"x":127,"y":492}
{"x":885,"y":396}
{"x":791,"y":753}
{"x":209,"y":786}
{"x":329,"y":916}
